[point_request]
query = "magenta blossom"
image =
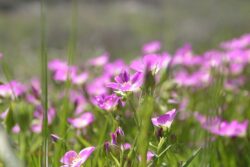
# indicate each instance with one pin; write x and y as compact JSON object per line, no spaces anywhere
{"x":126,"y":83}
{"x":97,"y":86}
{"x":12,"y":89}
{"x":184,"y":56}
{"x":115,"y":67}
{"x":150,"y":155}
{"x":82,"y":121}
{"x":196,"y":79}
{"x":151,"y":47}
{"x":99,"y":61}
{"x":106,"y":102}
{"x":61,"y":71}
{"x":78,"y":100}
{"x":36,"y":126}
{"x":80,"y":79}
{"x":237,"y":43}
{"x":223,"y":128}
{"x":72,"y":159}
{"x":151,"y":62}
{"x":164,"y":120}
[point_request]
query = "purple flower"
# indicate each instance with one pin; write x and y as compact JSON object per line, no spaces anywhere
{"x":72,"y":159}
{"x":106,"y":102}
{"x":196,"y":79}
{"x":126,"y":83}
{"x":80,"y":79}
{"x":114,"y":68}
{"x":36,"y":126}
{"x":82,"y":121}
{"x":223,"y":128}
{"x":237,"y":43}
{"x":184,"y":56}
{"x":99,"y":61}
{"x":151,"y":47}
{"x":126,"y":146}
{"x":54,"y":137}
{"x":97,"y":86}
{"x":113,"y":138}
{"x":12,"y":89}
{"x":34,"y":96}
{"x":164,"y":120}
{"x":150,"y":155}
{"x":151,"y":62}
{"x":61,"y":71}
{"x":1,"y":56}
{"x":79,"y":101}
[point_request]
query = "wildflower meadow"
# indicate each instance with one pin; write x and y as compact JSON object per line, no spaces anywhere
{"x":159,"y":109}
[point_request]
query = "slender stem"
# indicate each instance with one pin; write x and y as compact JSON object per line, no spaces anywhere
{"x":44,"y":80}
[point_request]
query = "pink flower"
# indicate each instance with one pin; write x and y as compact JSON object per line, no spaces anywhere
{"x":196,"y":79}
{"x":36,"y":126}
{"x":1,"y":56}
{"x":150,"y":155}
{"x":12,"y":89}
{"x":237,"y":43}
{"x":164,"y":120}
{"x":151,"y":47}
{"x":78,"y":100}
{"x":184,"y":56}
{"x":80,"y":79}
{"x":223,"y":128}
{"x":61,"y":71}
{"x":97,"y":86}
{"x":126,"y":83}
{"x":114,"y":68}
{"x":72,"y":159}
{"x":151,"y":62}
{"x":106,"y":102}
{"x":82,"y":121}
{"x":99,"y":61}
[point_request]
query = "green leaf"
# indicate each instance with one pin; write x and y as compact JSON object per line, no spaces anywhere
{"x":9,"y":120}
{"x":187,"y":163}
{"x":22,"y":113}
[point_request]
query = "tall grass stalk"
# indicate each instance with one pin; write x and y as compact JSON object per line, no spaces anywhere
{"x":44,"y":80}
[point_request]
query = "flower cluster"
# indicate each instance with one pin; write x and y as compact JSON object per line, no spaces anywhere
{"x":171,"y":94}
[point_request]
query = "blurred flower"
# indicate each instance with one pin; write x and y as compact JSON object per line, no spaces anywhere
{"x":150,"y":155}
{"x":125,"y":82}
{"x":71,"y":158}
{"x":82,"y":121}
{"x":61,"y":71}
{"x":151,"y":62}
{"x":115,"y":67}
{"x":97,"y":86}
{"x":80,"y":79}
{"x":99,"y":61}
{"x":78,"y":101}
{"x":54,"y":137}
{"x":151,"y":47}
{"x":36,"y":126}
{"x":12,"y":89}
{"x":107,"y":146}
{"x":1,"y":56}
{"x":106,"y":102}
{"x":126,"y":146}
{"x":196,"y":79}
{"x":237,"y":43}
{"x":164,"y":120}
{"x":184,"y":56}
{"x":223,"y":128}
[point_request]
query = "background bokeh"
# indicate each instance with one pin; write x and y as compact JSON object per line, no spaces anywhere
{"x":119,"y":27}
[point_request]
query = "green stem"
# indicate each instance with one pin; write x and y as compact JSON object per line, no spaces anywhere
{"x":44,"y":80}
